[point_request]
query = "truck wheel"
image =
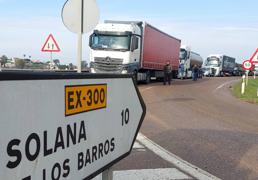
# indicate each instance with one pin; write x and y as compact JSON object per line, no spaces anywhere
{"x":135,"y":76}
{"x":148,"y":77}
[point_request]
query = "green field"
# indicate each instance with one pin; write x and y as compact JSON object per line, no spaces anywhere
{"x":250,"y":91}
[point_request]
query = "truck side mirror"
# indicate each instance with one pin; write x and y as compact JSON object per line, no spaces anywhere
{"x":188,"y":55}
{"x":91,"y":40}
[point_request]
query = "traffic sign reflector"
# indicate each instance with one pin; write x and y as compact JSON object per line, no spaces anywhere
{"x":50,"y":45}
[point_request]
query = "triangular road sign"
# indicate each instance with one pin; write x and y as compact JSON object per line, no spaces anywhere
{"x":254,"y":58}
{"x":50,"y":45}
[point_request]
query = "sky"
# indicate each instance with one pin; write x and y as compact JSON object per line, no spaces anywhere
{"x":209,"y":27}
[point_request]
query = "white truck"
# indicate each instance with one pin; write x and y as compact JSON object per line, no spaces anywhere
{"x":187,"y":60}
{"x":130,"y":47}
{"x":219,"y":65}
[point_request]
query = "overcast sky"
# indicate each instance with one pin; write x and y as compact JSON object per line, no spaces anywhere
{"x":210,"y":27}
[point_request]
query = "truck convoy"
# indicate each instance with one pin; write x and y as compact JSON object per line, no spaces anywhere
{"x":130,"y":47}
{"x":187,"y":60}
{"x":219,"y":65}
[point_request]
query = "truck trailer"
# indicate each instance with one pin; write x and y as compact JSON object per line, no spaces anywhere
{"x":219,"y":65}
{"x":187,"y":61}
{"x":130,"y":47}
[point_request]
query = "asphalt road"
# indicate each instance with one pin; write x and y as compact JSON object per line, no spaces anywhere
{"x":202,"y":123}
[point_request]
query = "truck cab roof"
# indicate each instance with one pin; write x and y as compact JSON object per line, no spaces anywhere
{"x":114,"y":27}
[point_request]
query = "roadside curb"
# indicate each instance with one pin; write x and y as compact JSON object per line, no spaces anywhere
{"x":175,"y":160}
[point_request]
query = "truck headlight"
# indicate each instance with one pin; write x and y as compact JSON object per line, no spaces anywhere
{"x":92,"y":70}
{"x":125,"y":69}
{"x":124,"y":72}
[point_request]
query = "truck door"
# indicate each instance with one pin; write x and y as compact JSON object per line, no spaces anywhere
{"x":135,"y":52}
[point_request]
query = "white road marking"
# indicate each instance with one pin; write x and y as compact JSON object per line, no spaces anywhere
{"x":175,"y":160}
{"x":146,"y":89}
{"x":138,"y":147}
{"x":224,"y":84}
{"x":149,"y":174}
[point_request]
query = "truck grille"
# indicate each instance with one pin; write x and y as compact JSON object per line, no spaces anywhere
{"x":108,"y":64}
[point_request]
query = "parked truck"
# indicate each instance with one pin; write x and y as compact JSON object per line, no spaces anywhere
{"x":136,"y":48}
{"x":187,"y":61}
{"x":238,"y":70}
{"x":219,"y":65}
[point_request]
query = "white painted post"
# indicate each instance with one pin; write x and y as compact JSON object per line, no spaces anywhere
{"x":243,"y":88}
{"x":107,"y":174}
{"x":243,"y":85}
{"x":247,"y":78}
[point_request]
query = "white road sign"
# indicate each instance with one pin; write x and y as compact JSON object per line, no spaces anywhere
{"x":59,"y":126}
{"x":80,"y":16}
{"x":247,"y":65}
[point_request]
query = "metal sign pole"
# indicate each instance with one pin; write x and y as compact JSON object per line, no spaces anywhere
{"x":79,"y":60}
{"x":79,"y":68}
{"x":107,"y":174}
{"x":51,"y":57}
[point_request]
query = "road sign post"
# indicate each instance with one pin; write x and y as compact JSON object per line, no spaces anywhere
{"x":79,"y":54}
{"x":107,"y":174}
{"x":243,"y":85}
{"x":80,"y":16}
{"x":247,"y":77}
{"x":66,"y":126}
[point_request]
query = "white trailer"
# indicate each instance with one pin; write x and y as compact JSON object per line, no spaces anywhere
{"x":187,"y":61}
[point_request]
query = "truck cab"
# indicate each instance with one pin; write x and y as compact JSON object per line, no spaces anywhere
{"x":187,"y":59}
{"x":219,"y":65}
{"x":115,"y":48}
{"x":212,"y":65}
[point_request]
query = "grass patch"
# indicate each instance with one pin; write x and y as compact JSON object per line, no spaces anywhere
{"x":250,"y":91}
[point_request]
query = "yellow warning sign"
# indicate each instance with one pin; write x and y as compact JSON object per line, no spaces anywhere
{"x":84,"y":98}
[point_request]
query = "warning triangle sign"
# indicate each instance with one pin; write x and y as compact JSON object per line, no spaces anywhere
{"x":50,"y":45}
{"x":254,"y":58}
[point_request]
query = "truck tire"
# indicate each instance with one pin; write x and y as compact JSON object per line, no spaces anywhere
{"x":135,"y":76}
{"x":148,"y":77}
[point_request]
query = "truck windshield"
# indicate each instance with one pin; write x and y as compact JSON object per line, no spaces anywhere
{"x":213,"y":61}
{"x":182,"y":54}
{"x":111,"y":42}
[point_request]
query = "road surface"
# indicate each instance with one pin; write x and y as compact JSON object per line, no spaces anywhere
{"x":201,"y":123}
